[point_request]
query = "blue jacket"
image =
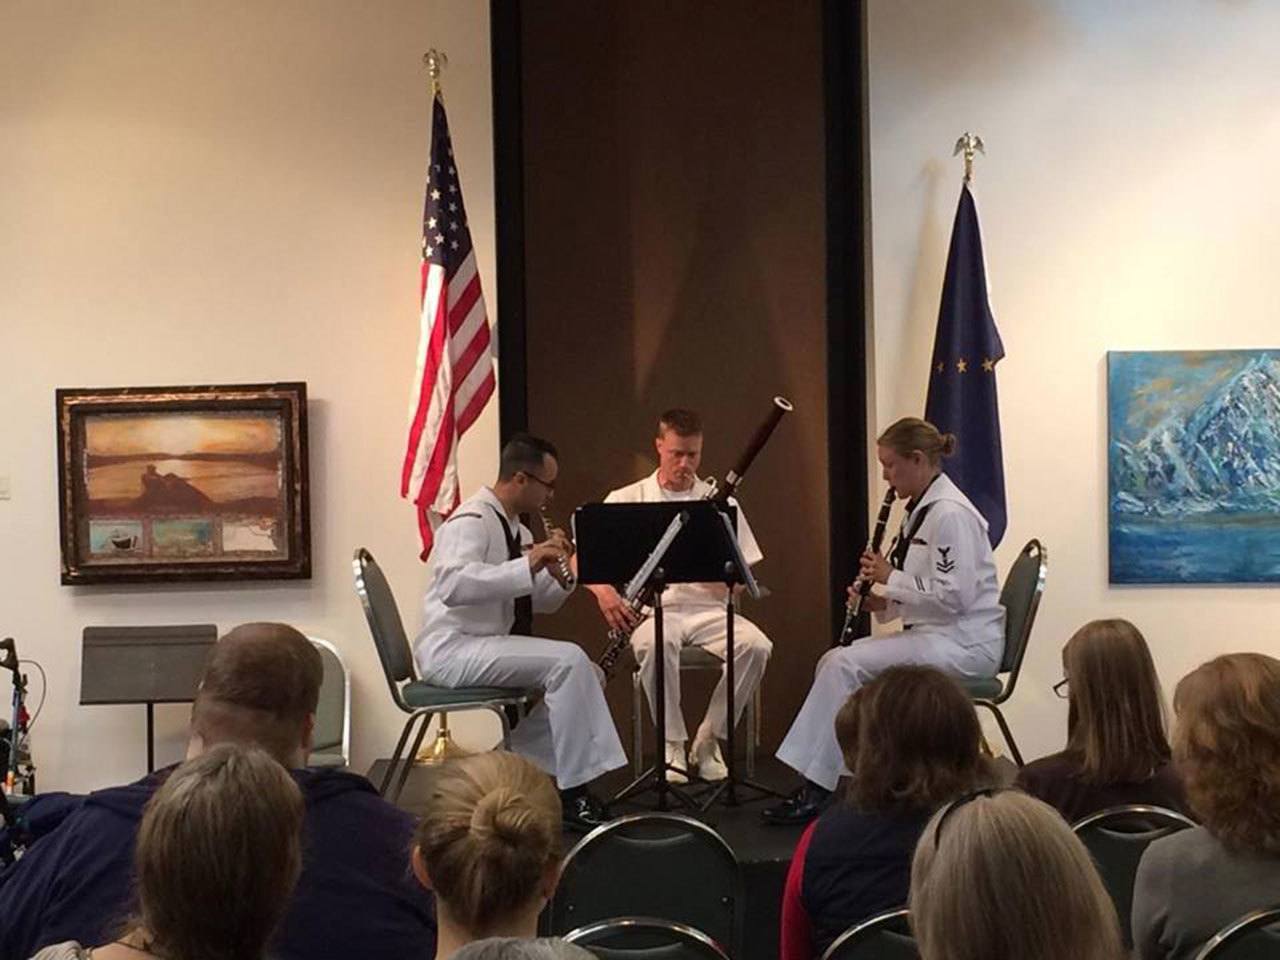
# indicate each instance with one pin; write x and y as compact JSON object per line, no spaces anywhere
{"x":357,"y":896}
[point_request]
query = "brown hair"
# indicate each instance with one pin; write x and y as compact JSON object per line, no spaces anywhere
{"x":1115,"y":719}
{"x":682,"y":422}
{"x":911,"y":738}
{"x":976,"y":854}
{"x":218,"y":854}
{"x":489,"y":834}
{"x":910,"y":434}
{"x":260,"y":684}
{"x":1226,"y":743}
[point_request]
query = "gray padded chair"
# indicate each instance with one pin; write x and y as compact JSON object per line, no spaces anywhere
{"x":886,"y":936}
{"x":693,"y":658}
{"x":1116,"y":838}
{"x":1255,"y":936}
{"x":645,"y":938}
{"x":331,"y":742}
{"x":625,"y":869}
{"x":420,"y":700}
{"x":1020,"y":597}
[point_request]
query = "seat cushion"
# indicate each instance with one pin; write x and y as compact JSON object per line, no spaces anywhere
{"x":984,"y":688}
{"x":695,"y":658}
{"x":419,"y":694}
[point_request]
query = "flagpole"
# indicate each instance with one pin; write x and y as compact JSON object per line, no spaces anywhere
{"x":443,"y":747}
{"x":970,"y":144}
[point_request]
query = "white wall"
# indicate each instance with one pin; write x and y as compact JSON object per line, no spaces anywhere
{"x":227,"y":192}
{"x":1128,"y":201}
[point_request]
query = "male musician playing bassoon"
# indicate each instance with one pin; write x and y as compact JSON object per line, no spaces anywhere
{"x":487,"y":580}
{"x":693,"y":613}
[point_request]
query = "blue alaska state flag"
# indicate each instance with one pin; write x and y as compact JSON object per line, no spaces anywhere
{"x":962,"y":381}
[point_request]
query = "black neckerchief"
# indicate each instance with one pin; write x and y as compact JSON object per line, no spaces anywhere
{"x":522,"y":625}
{"x":898,"y":556}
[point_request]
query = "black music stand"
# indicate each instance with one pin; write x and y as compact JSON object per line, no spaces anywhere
{"x":624,"y":543}
{"x":144,"y":665}
{"x":735,"y":571}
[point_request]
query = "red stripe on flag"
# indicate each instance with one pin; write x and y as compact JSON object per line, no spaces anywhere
{"x":472,"y":409}
{"x":435,"y":356}
{"x":458,"y":313}
{"x":478,"y":345}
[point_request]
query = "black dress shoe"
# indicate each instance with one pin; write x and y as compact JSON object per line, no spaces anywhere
{"x":583,"y":813}
{"x":802,"y":806}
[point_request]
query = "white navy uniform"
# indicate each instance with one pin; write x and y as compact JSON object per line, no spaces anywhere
{"x":693,"y":615}
{"x":948,"y":598}
{"x":466,"y":640}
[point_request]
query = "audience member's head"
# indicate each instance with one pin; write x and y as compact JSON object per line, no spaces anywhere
{"x":489,"y":846}
{"x":217,"y":856}
{"x":1115,"y":720}
{"x":1226,"y":745}
{"x":912,"y":740}
{"x":520,"y":948}
{"x":981,"y":854}
{"x":260,"y":685}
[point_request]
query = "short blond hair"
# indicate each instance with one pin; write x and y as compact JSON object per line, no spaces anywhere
{"x":978,"y":855}
{"x":490,"y":832}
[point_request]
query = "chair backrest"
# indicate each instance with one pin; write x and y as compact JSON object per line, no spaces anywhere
{"x":331,"y":741}
{"x":662,"y":865}
{"x":1117,"y":838}
{"x":1253,"y":937}
{"x":1020,"y":597}
{"x":384,"y":620}
{"x":886,"y":936}
{"x":645,"y":938}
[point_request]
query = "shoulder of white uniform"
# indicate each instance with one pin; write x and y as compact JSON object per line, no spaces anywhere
{"x":631,"y":491}
{"x":952,"y":498}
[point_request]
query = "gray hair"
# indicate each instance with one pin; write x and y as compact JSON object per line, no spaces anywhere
{"x":515,"y":948}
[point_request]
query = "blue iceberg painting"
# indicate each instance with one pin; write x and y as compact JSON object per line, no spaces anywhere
{"x":1194,"y":466}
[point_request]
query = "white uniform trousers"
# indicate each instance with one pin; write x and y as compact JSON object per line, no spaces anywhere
{"x":702,"y":626}
{"x":810,"y":745}
{"x":570,"y":733}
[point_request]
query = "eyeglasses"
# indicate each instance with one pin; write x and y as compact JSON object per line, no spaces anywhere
{"x":1060,"y":689}
{"x":549,"y":486}
{"x":956,"y":804}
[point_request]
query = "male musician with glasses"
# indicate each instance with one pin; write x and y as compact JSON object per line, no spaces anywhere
{"x":487,"y":580}
{"x":693,"y":613}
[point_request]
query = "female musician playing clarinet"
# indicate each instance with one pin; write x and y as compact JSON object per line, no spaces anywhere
{"x":939,"y":579}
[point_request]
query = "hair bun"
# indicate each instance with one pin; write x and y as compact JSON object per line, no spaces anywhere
{"x":504,"y":815}
{"x":948,"y":444}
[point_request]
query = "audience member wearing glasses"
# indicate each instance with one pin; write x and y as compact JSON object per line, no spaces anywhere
{"x":1226,"y":743}
{"x":1000,"y":874}
{"x":1117,"y":751}
{"x":911,"y":739}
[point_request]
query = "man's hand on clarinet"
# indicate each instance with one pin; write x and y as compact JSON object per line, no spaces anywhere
{"x":544,"y":556}
{"x":616,"y":611}
{"x":872,"y":602}
{"x":873,"y":567}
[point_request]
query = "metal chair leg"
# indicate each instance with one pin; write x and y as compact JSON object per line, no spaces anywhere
{"x":395,"y":756}
{"x":1004,"y":729}
{"x":413,"y":752}
{"x":637,"y":725}
{"x":753,"y":730}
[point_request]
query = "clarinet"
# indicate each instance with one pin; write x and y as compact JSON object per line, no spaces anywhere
{"x":853,"y":609}
{"x":619,"y":638}
{"x":564,"y":569}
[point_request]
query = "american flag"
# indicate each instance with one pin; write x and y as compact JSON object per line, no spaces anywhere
{"x":454,"y":377}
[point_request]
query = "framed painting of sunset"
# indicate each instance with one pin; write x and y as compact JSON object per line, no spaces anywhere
{"x":183,"y":483}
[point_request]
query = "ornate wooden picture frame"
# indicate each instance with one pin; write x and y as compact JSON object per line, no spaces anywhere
{"x":183,"y":483}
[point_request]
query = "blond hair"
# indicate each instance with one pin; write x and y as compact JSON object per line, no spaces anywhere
{"x":1116,"y":716}
{"x":218,"y":854}
{"x":489,"y":834}
{"x":1226,"y":744}
{"x":911,"y":434}
{"x":976,"y":853}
